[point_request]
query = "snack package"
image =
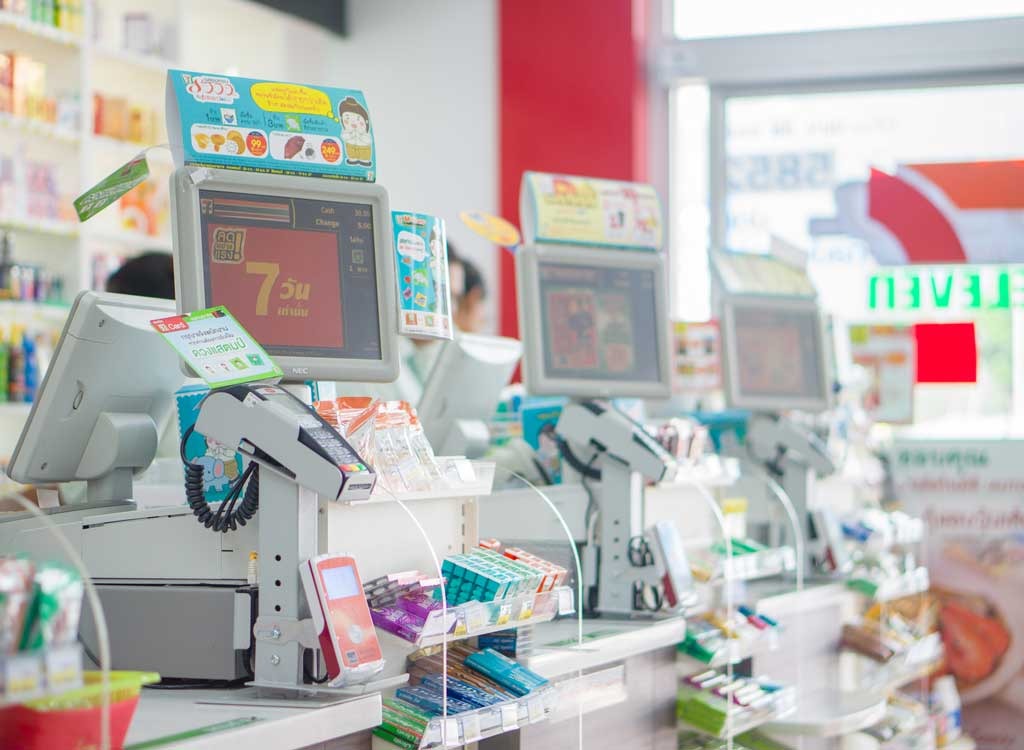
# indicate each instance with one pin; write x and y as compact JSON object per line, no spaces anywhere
{"x":16,"y":591}
{"x":56,"y":608}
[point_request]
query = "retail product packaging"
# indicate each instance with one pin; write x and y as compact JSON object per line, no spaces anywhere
{"x":424,"y":287}
{"x":539,"y":417}
{"x":221,"y":465}
{"x":263,"y":126}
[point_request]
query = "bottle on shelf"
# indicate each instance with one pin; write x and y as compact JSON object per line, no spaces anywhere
{"x":31,"y":376}
{"x":6,"y":249}
{"x":5,"y":364}
{"x":16,"y":366}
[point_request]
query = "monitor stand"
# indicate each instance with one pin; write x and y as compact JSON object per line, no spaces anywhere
{"x":120,"y":444}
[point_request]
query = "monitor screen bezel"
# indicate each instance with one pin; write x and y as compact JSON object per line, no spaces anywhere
{"x":735,"y":397}
{"x":189,"y":271}
{"x":540,"y":383}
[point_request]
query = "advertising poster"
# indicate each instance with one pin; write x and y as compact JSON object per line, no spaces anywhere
{"x":269,"y":126}
{"x":887,"y":353}
{"x":970,"y":493}
{"x":697,"y":357}
{"x":421,"y":260}
{"x":586,"y":211}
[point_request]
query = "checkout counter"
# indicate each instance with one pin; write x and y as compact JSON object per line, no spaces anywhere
{"x":174,"y":581}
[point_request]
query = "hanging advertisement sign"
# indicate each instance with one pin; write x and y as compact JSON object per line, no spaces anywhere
{"x":888,"y":354}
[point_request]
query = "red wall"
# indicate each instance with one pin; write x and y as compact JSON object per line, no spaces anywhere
{"x":571,"y":100}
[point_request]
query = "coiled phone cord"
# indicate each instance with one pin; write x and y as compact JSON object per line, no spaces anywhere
{"x":227,"y":517}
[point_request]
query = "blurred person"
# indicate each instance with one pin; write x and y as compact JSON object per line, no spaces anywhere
{"x":469,"y":294}
{"x":150,"y":274}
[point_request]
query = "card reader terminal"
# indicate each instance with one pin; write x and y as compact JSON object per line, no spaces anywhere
{"x":259,"y":418}
{"x":341,"y":619}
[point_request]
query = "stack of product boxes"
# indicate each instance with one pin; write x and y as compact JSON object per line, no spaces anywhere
{"x":486,"y":575}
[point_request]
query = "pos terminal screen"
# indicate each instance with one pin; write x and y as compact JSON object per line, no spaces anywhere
{"x":778,"y":353}
{"x":299,"y":274}
{"x":599,"y":323}
{"x":340,"y":582}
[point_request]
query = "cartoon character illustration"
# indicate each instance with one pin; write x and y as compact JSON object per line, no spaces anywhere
{"x":224,"y":454}
{"x":355,"y":132}
{"x":214,"y":476}
{"x":419,"y":277}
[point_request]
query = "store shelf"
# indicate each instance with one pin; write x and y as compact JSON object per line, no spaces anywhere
{"x":916,"y":663}
{"x":908,"y":584}
{"x":44,"y":130}
{"x":479,"y":618}
{"x":477,"y":482}
{"x":128,"y":239}
{"x":558,"y":652}
{"x":42,"y":30}
{"x":735,"y":652}
{"x":584,"y":694}
{"x":831,"y":713}
{"x":750,"y":567}
{"x":187,"y":719}
{"x":14,"y":411}
{"x":154,"y":63}
{"x":47,"y":227}
{"x":739,"y":720}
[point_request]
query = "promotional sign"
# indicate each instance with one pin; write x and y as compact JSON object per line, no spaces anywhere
{"x":268,"y":126}
{"x":970,"y":493}
{"x":217,"y":348}
{"x":492,"y":228}
{"x":697,"y":356}
{"x":111,"y":187}
{"x":752,"y":273}
{"x":421,"y":260}
{"x":888,"y":355}
{"x":586,"y":211}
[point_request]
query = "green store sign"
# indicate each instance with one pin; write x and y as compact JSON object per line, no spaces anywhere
{"x":953,"y":288}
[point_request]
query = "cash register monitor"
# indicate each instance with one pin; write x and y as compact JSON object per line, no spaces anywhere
{"x":775,"y":357}
{"x":594,"y":322}
{"x":105,"y":398}
{"x":303,"y":263}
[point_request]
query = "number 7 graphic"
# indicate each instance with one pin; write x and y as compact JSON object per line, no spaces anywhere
{"x":269,"y":272}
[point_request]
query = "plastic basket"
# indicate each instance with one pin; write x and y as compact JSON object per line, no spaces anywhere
{"x":71,"y":720}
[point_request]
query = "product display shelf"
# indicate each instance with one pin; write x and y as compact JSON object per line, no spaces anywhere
{"x":469,"y":479}
{"x":479,"y":618}
{"x":750,"y":567}
{"x":740,"y":719}
{"x":735,"y":652}
{"x":155,"y":63}
{"x":559,"y":652}
{"x":915,"y":663}
{"x":912,"y":582}
{"x":44,"y":130}
{"x":14,"y":410}
{"x":49,"y":227}
{"x":831,"y":713}
{"x":42,"y":30}
{"x":188,"y":719}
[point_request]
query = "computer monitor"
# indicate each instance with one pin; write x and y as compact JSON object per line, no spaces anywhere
{"x":774,"y":353}
{"x":594,"y":322}
{"x":105,"y":398}
{"x":463,"y":390}
{"x":305,"y":264}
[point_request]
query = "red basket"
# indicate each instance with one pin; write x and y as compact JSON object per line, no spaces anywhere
{"x":68,"y":729}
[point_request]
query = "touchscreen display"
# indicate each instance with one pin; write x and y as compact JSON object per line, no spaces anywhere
{"x":599,"y":323}
{"x":340,"y":582}
{"x":299,"y":274}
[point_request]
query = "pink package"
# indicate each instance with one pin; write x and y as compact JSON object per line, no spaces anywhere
{"x":397,"y":621}
{"x":418,"y":604}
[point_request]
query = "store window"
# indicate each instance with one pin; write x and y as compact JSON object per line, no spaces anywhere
{"x":733,"y":18}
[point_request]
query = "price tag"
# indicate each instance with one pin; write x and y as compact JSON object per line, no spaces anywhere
{"x":526,"y":611}
{"x":471,"y":728}
{"x":476,"y":616}
{"x":451,"y":733}
{"x":509,"y":717}
{"x":22,"y":677}
{"x":566,"y":606}
{"x":535,"y":710}
{"x":505,"y":614}
{"x":64,"y":668}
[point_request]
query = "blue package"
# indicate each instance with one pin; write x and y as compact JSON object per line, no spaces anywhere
{"x":463,"y":691}
{"x":430,"y":700}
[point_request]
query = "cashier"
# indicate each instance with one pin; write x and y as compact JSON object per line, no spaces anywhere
{"x":150,"y":274}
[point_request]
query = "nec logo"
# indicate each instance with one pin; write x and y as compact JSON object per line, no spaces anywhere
{"x":300,"y":370}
